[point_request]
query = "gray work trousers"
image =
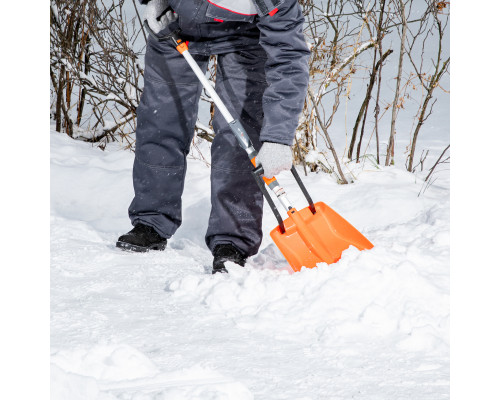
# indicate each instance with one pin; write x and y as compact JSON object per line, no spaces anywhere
{"x":165,"y":126}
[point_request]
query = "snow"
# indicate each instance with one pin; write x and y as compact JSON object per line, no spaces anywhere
{"x":103,"y":370}
{"x":375,"y":325}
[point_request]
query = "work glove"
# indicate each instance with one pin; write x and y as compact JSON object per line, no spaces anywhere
{"x":274,"y":158}
{"x":154,"y":9}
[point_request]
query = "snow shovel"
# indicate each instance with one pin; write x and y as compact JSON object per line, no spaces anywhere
{"x":309,"y":236}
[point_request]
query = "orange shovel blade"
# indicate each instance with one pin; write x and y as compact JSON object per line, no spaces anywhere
{"x":313,"y":238}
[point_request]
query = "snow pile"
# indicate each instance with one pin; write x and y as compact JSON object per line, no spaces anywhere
{"x":106,"y":362}
{"x":65,"y":385}
{"x":103,"y":372}
{"x":387,"y":291}
{"x":160,"y":326}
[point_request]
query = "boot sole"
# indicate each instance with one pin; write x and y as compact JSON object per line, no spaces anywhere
{"x":140,"y":249}
{"x":222,"y":270}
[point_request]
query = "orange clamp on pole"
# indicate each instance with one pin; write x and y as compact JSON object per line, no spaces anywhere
{"x":182,"y":46}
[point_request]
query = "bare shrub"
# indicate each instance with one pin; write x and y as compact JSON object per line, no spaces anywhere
{"x":95,"y":73}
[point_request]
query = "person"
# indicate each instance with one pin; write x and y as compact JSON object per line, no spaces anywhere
{"x":262,"y":77}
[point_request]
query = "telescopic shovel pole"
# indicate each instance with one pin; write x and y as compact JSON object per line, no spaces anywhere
{"x":234,"y":124}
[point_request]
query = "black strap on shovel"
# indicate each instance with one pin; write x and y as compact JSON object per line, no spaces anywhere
{"x":258,"y":173}
{"x":304,"y":190}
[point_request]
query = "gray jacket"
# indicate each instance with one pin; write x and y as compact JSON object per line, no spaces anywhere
{"x":224,"y":26}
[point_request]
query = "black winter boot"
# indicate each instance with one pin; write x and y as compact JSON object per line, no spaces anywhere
{"x":141,"y":239}
{"x":226,"y":252}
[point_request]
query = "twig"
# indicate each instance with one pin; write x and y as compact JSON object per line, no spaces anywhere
{"x":436,"y":164}
{"x":343,"y":180}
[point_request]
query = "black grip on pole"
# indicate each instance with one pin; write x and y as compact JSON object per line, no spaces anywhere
{"x":257,"y":173}
{"x":174,"y":35}
{"x":304,"y":190}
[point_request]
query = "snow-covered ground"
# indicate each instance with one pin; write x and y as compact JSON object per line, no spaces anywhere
{"x":160,"y":326}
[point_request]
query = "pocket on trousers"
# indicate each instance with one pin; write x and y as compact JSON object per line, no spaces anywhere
{"x":224,"y":10}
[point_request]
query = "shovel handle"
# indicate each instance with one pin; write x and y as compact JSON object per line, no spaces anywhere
{"x":268,"y":181}
{"x":163,"y":38}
